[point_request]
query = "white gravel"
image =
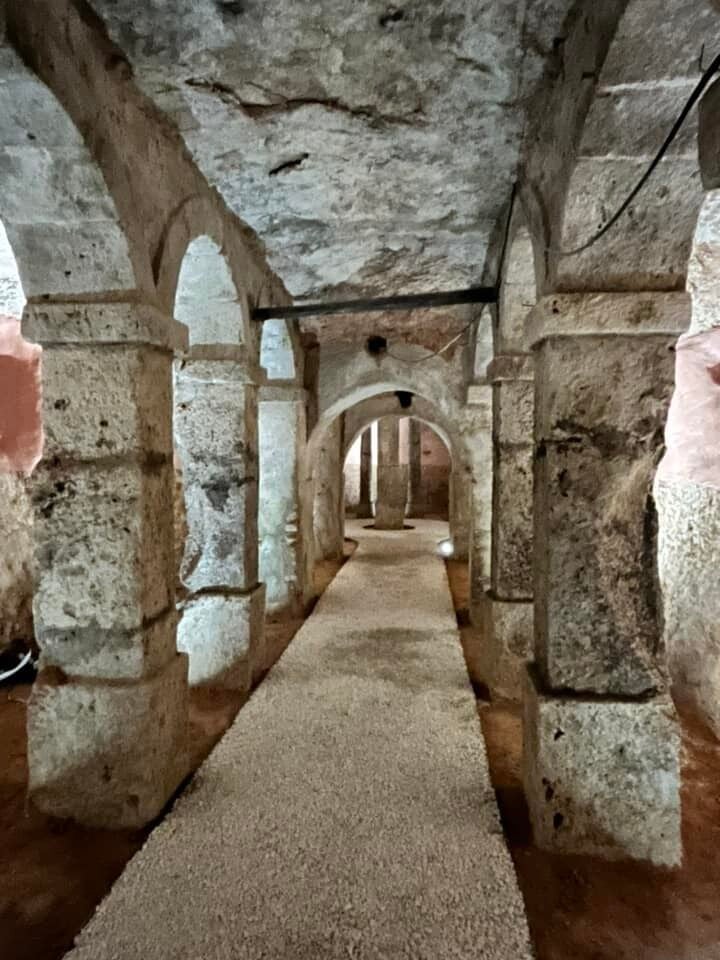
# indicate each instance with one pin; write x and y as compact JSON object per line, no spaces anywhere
{"x":348,"y":812}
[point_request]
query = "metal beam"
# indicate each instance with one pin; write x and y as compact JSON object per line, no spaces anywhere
{"x":412,"y":301}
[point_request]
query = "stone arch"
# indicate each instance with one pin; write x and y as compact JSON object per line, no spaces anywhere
{"x":373,"y":397}
{"x":60,"y":218}
{"x":650,"y":70}
{"x":280,"y":350}
{"x":206,"y":298}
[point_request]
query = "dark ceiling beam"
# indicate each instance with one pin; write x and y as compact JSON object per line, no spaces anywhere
{"x":412,"y":301}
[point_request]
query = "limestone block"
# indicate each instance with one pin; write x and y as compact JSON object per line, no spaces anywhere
{"x":103,"y":402}
{"x":220,"y":549}
{"x":223,"y":636}
{"x":96,"y":323}
{"x":601,"y":404}
{"x":506,"y":648}
{"x":281,"y":432}
{"x":514,"y":405}
{"x":103,"y":546}
{"x":108,"y":754}
{"x":215,"y":416}
{"x":602,"y":776}
{"x":512,"y":541}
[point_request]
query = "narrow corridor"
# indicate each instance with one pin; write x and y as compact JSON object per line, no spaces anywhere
{"x":348,"y":812}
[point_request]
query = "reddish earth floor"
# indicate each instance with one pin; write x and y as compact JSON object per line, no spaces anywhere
{"x":54,"y":873}
{"x":584,"y":908}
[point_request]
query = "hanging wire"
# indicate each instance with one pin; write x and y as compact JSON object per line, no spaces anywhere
{"x":667,"y":143}
{"x":707,"y":76}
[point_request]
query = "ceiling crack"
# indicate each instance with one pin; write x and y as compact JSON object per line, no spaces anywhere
{"x":282,"y":104}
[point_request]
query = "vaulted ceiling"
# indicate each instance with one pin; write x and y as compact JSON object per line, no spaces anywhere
{"x":372,"y":147}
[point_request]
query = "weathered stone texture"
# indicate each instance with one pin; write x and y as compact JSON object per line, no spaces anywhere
{"x":281,"y":430}
{"x":328,"y":502}
{"x":689,"y":561}
{"x":108,"y":754}
{"x":216,"y":431}
{"x":602,"y":776}
{"x":506,"y":647}
{"x":223,"y":636}
{"x":600,"y":408}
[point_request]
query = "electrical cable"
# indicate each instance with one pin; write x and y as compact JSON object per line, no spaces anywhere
{"x":667,"y":143}
{"x":707,"y":76}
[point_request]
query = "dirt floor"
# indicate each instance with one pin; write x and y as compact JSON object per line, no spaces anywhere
{"x":54,"y":873}
{"x":584,"y":908}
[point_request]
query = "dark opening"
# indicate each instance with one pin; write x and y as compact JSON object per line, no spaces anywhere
{"x":405,"y":398}
{"x":376,"y":346}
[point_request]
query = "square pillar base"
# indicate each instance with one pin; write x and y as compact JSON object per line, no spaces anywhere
{"x":224,"y":637}
{"x":602,"y":776}
{"x":506,"y":647}
{"x":108,"y":754}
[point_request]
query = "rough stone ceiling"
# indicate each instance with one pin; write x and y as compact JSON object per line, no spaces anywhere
{"x":371,"y":146}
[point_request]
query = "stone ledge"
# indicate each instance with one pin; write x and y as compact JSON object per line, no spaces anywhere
{"x":580,"y":314}
{"x":602,"y":776}
{"x":102,"y":323}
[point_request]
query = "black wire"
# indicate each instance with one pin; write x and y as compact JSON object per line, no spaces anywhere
{"x":677,"y":126}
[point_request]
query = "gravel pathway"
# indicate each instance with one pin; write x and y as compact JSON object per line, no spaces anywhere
{"x":348,"y":811}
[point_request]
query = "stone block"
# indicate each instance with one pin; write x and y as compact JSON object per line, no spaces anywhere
{"x":506,"y":647}
{"x":110,"y":322}
{"x":215,"y":417}
{"x":108,"y":754}
{"x":602,"y":776}
{"x":601,"y":404}
{"x":513,"y":411}
{"x":223,"y":636}
{"x":103,"y":545}
{"x":512,"y":540}
{"x":221,"y":548}
{"x":112,"y":654}
{"x":101,"y":401}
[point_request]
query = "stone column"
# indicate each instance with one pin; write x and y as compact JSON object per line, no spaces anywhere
{"x":416,"y":499}
{"x":602,"y":746}
{"x":107,"y":719}
{"x":223,"y":614}
{"x":478,"y":433}
{"x":329,"y":503}
{"x":392,"y":478}
{"x":508,"y":614}
{"x":364,"y":507}
{"x":282,"y":439}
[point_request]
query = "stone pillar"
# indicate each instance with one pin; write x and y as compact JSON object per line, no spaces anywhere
{"x":107,"y":719}
{"x":282,"y":439}
{"x":329,"y":503}
{"x":416,"y":504}
{"x":223,"y":614}
{"x":602,"y":746}
{"x":364,"y":507}
{"x":392,"y":478}
{"x":478,"y":433}
{"x":507,"y":614}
